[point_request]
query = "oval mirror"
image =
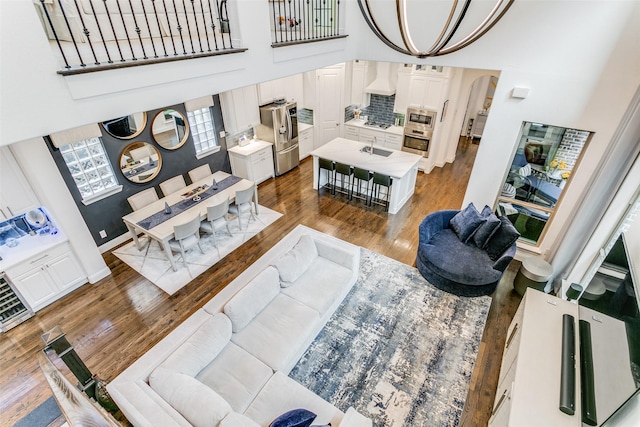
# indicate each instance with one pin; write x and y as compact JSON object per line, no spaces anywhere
{"x":126,"y":127}
{"x":140,"y":162}
{"x":169,"y":129}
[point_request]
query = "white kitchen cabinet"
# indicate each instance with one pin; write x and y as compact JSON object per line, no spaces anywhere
{"x":403,"y":89}
{"x":16,"y":195}
{"x":359,"y":80}
{"x":293,"y":89}
{"x":305,"y":142}
{"x":271,"y":90}
{"x":425,"y":91}
{"x":352,"y":132}
{"x":46,"y":277}
{"x":253,"y":162}
{"x":392,"y":141}
{"x":370,"y":135}
{"x":240,"y":109}
{"x":529,"y":381}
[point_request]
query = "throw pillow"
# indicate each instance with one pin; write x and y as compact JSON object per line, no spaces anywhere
{"x":465,"y":222}
{"x":487,"y":228}
{"x":502,"y":239}
{"x":295,"y":262}
{"x":294,"y":418}
{"x":525,"y":170}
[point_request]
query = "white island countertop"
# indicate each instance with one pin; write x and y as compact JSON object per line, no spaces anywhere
{"x":253,"y":146}
{"x":342,"y":150}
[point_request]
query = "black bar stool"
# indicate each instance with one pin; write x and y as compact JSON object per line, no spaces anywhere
{"x":343,"y":170}
{"x":360,"y":175}
{"x":330,"y":167}
{"x":380,"y":180}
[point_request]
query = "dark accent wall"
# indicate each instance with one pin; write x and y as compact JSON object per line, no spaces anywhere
{"x":106,"y":214}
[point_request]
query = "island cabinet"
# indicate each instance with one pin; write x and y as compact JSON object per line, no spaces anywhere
{"x":253,"y":161}
{"x":379,"y":138}
{"x":47,"y":276}
{"x":530,"y":373}
{"x":16,"y":195}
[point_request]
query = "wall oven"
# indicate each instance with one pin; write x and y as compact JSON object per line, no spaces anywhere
{"x":418,"y":131}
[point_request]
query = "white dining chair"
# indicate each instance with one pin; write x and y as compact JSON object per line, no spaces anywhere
{"x":173,"y":185}
{"x":243,"y":204}
{"x":143,"y":198}
{"x":200,"y":172}
{"x":186,"y":236}
{"x":216,"y":218}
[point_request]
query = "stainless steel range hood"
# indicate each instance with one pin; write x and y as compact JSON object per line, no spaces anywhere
{"x":385,"y":81}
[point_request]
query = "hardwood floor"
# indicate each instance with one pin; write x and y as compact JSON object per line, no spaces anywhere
{"x":113,"y":322}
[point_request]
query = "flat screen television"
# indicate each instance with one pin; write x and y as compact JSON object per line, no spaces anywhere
{"x":610,"y":337}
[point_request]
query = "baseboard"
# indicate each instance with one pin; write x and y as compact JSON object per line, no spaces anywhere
{"x":99,"y":275}
{"x":114,"y":242}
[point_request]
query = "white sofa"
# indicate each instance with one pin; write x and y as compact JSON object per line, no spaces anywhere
{"x":227,"y":364}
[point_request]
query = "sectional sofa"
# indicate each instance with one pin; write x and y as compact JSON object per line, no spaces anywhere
{"x":227,"y":364}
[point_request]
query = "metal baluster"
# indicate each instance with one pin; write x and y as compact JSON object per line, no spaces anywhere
{"x":204,"y":21}
{"x":184,"y":6}
{"x":222,"y":5}
{"x":137,"y":29}
{"x":86,"y":33}
{"x":144,"y":12}
{"x":195,"y":18}
{"x":113,"y":30}
{"x":155,"y":12}
{"x":55,"y":35}
{"x":179,"y":27}
{"x":213,"y":23}
{"x":124,"y":25}
{"x":337,"y":31}
{"x":309,"y":28}
{"x":295,"y":17}
{"x":226,"y":12}
{"x":275,"y":22}
{"x":281,"y":20}
{"x":166,"y":13}
{"x":73,"y":39}
{"x":95,"y":16}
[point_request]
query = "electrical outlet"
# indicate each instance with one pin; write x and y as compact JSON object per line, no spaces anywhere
{"x":222,"y":134}
{"x":103,"y":234}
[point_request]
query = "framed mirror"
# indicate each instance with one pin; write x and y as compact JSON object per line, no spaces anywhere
{"x":170,"y":129}
{"x":140,"y":162}
{"x":126,"y":127}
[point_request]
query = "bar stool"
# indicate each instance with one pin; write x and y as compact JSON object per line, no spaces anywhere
{"x":360,"y":175}
{"x":380,"y":180}
{"x":343,"y":170}
{"x":330,"y":167}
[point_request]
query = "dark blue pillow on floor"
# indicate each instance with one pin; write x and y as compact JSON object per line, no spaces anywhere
{"x":294,"y":418}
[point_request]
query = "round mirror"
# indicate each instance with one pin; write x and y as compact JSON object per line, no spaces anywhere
{"x":126,"y":127}
{"x":169,"y":129}
{"x":140,"y":162}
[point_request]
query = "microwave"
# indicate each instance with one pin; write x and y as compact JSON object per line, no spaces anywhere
{"x":421,"y":118}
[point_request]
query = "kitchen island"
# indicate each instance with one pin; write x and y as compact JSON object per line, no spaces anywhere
{"x":402,"y":167}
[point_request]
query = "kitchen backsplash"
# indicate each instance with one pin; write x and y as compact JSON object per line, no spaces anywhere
{"x":305,"y":116}
{"x":232,"y":138}
{"x":380,"y":109}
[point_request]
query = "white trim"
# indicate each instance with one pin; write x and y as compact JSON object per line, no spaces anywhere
{"x":102,"y":195}
{"x":99,"y":275}
{"x":208,"y":152}
{"x":114,"y":242}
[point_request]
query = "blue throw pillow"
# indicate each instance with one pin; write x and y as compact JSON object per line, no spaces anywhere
{"x":487,"y":228}
{"x":502,"y":239}
{"x":294,"y":418}
{"x":465,"y":222}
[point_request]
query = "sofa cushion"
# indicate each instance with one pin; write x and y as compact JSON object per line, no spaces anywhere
{"x":465,"y":222}
{"x":235,"y":419}
{"x":456,"y":261}
{"x":502,"y":239}
{"x":484,"y":232}
{"x":199,"y":404}
{"x":294,"y":418}
{"x":236,"y":375}
{"x":295,"y":262}
{"x":201,"y":347}
{"x":253,"y":298}
{"x":320,"y":285}
{"x":281,"y":394}
{"x":278,"y":332}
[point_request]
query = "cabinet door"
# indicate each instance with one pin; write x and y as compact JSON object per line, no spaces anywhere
{"x":240,"y":109}
{"x":417,"y":89}
{"x":359,"y":80}
{"x":262,"y":165}
{"x":293,"y":89}
{"x":351,"y":132}
{"x":403,"y":90}
{"x":16,"y":195}
{"x":37,"y":287}
{"x":393,"y":141}
{"x":433,"y":93}
{"x":305,"y":143}
{"x":249,"y":106}
{"x":65,"y":271}
{"x":368,"y":136}
{"x":265,"y":93}
{"x":240,"y":166}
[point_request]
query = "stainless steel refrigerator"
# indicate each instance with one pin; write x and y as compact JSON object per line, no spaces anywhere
{"x":279,"y":125}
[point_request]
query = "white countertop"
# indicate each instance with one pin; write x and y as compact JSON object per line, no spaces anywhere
{"x":397,"y":165}
{"x":29,"y":246}
{"x":303,"y":126}
{"x":396,"y":130}
{"x":249,"y":149}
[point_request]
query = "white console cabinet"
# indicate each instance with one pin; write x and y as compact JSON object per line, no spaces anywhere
{"x":528,"y":391}
{"x":46,"y":277}
{"x":16,"y":195}
{"x":253,"y":161}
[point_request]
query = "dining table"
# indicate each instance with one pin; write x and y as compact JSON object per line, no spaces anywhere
{"x":157,"y":220}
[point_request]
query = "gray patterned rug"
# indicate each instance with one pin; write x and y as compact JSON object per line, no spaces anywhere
{"x":397,"y":349}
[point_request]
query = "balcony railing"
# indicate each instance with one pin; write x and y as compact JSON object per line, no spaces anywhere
{"x":95,"y":35}
{"x":304,"y":21}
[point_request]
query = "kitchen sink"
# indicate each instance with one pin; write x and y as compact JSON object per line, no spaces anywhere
{"x":377,"y":151}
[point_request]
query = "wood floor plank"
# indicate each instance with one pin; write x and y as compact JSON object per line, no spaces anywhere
{"x":113,"y":322}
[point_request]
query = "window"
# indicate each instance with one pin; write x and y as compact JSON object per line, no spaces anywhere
{"x":90,"y":168}
{"x":542,"y":165}
{"x":203,"y":131}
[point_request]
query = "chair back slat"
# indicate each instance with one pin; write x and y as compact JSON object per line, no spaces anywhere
{"x":245,"y":196}
{"x":217,"y":211}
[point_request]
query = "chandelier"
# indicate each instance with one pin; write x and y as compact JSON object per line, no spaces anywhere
{"x":464,"y":24}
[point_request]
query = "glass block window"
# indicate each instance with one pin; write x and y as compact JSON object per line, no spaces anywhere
{"x":90,"y":167}
{"x":203,"y":131}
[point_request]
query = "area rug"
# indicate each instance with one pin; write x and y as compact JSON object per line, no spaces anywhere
{"x":397,"y":349}
{"x":153,"y":264}
{"x":44,"y":415}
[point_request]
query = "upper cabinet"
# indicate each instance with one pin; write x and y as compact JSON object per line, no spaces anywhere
{"x":289,"y":88}
{"x":423,"y":89}
{"x":360,"y":79}
{"x":240,"y":109}
{"x":16,"y":195}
